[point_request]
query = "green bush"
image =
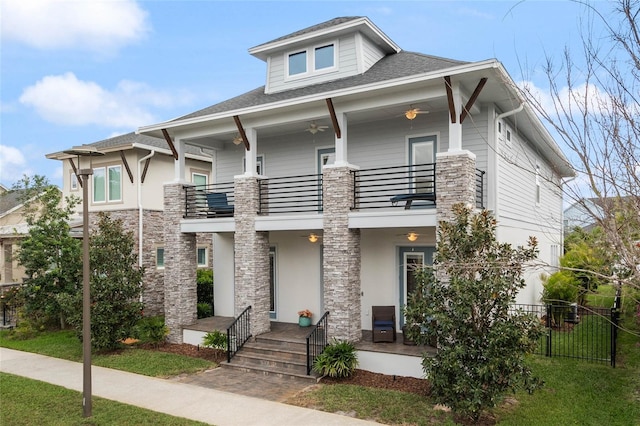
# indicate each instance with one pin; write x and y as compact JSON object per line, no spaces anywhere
{"x":204,"y":310}
{"x":560,"y":289}
{"x":215,"y":339}
{"x":152,"y":330}
{"x":337,"y":360}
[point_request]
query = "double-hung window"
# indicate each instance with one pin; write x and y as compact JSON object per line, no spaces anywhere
{"x":107,"y":184}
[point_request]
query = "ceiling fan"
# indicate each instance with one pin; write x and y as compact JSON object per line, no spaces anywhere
{"x":315,"y":128}
{"x":413,"y":112}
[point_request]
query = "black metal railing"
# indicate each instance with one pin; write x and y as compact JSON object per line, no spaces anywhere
{"x":9,"y":315}
{"x":480,"y":188}
{"x":238,"y":333}
{"x":377,"y":187}
{"x":317,"y":341}
{"x":199,"y":203}
{"x":573,"y":331}
{"x":291,"y":194}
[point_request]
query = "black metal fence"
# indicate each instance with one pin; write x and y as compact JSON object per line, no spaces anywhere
{"x":317,"y":341}
{"x":238,"y":333}
{"x":291,"y":194}
{"x":200,"y":201}
{"x":578,"y":332}
{"x":9,"y":315}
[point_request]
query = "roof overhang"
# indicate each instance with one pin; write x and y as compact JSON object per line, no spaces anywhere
{"x":363,"y":25}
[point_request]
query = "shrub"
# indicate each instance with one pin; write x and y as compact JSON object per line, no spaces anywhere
{"x":204,"y":310}
{"x":152,"y":330}
{"x":561,"y":288}
{"x":215,"y":339}
{"x":337,"y":360}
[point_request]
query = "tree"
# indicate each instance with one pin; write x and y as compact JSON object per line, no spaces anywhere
{"x":51,"y":257}
{"x":465,"y":300}
{"x":116,"y":286}
{"x":592,"y":105}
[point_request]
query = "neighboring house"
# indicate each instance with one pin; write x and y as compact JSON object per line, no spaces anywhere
{"x":338,"y":178}
{"x":127,"y":183}
{"x":13,"y":227}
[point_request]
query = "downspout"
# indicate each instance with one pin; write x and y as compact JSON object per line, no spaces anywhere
{"x":497,"y":140}
{"x":140,"y":227}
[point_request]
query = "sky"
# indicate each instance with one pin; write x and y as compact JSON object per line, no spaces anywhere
{"x":80,"y":71}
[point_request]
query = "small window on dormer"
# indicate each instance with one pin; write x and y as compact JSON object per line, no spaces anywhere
{"x":298,"y":63}
{"x":324,"y":57}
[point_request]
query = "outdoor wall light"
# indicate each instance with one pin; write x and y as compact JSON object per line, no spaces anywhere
{"x":313,"y":238}
{"x":237,"y":140}
{"x":412,"y":236}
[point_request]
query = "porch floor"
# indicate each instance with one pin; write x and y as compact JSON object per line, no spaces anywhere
{"x":294,"y":333}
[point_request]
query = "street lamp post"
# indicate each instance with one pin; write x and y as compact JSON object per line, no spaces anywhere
{"x":85,"y":151}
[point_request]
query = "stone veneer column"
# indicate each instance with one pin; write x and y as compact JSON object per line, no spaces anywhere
{"x":251,"y":256}
{"x":180,"y":293}
{"x":455,"y":181}
{"x":341,"y":253}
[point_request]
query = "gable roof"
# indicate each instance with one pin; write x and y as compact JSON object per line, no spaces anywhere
{"x":390,"y":67}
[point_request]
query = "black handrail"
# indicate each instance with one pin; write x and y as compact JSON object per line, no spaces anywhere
{"x":238,"y":333}
{"x":196,"y":203}
{"x":317,"y":340}
{"x":291,"y":194}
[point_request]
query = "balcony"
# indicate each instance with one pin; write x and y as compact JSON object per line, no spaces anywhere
{"x":391,"y":188}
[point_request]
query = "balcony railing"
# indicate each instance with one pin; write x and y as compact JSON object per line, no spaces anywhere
{"x":202,"y":201}
{"x":383,"y":187}
{"x":291,"y":194}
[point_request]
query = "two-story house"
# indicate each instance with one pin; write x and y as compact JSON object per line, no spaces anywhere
{"x":13,"y":228}
{"x":127,"y":183}
{"x":329,"y":181}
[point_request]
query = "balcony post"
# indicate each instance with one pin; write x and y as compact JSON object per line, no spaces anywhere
{"x":341,"y":255}
{"x":180,"y":292}
{"x":455,"y":181}
{"x":251,"y":256}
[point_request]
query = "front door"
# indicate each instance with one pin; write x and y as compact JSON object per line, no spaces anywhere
{"x":410,"y":259}
{"x":422,"y":159}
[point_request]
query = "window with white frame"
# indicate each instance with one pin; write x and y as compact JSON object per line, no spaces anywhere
{"x":319,"y":58}
{"x":202,"y":257}
{"x":74,"y":181}
{"x":200,"y":179}
{"x":107,"y":184}
{"x":554,"y":260}
{"x":259,"y":165}
{"x":160,"y":257}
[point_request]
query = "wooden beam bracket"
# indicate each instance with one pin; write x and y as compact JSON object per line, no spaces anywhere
{"x":334,"y":119}
{"x":472,"y":99}
{"x":174,"y":151}
{"x":75,"y":171}
{"x":452,"y":105}
{"x":243,"y":134}
{"x":126,"y":165}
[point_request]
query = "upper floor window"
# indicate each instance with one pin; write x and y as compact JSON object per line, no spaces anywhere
{"x":298,"y":63}
{"x":74,"y":182}
{"x":160,"y":257}
{"x":324,"y":57}
{"x":316,"y":59}
{"x":107,"y":184}
{"x":200,"y":180}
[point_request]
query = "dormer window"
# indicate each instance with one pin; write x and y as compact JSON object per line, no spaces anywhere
{"x":324,"y":57}
{"x":318,"y":59}
{"x":298,"y":63}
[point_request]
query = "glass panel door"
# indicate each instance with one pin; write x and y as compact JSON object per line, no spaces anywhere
{"x":411,"y":259}
{"x":272,"y":283}
{"x":422,"y":158}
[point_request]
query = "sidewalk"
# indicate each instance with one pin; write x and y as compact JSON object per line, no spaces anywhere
{"x":164,"y":396}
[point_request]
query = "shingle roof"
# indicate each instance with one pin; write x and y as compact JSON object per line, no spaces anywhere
{"x":397,"y":65}
{"x":129,"y":139}
{"x":10,"y":200}
{"x":327,"y":24}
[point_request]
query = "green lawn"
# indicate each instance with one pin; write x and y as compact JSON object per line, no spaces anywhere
{"x":30,"y":402}
{"x":65,"y":344}
{"x":603,"y":297}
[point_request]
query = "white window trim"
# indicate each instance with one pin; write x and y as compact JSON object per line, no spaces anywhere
{"x":206,"y":257}
{"x":195,"y":173}
{"x":107,"y":193}
{"x":311,"y":61}
{"x":156,"y":256}
{"x":259,"y":164}
{"x":73,"y":182}
{"x":538,"y":193}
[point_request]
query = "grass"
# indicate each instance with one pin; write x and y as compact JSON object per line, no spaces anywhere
{"x":29,"y":402}
{"x":65,"y":345}
{"x":603,"y":297}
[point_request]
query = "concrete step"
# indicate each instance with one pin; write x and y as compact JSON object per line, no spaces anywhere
{"x":267,"y":370}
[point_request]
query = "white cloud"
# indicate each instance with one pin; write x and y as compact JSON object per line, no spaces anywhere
{"x":13,"y":164}
{"x":65,"y":99}
{"x":91,"y":25}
